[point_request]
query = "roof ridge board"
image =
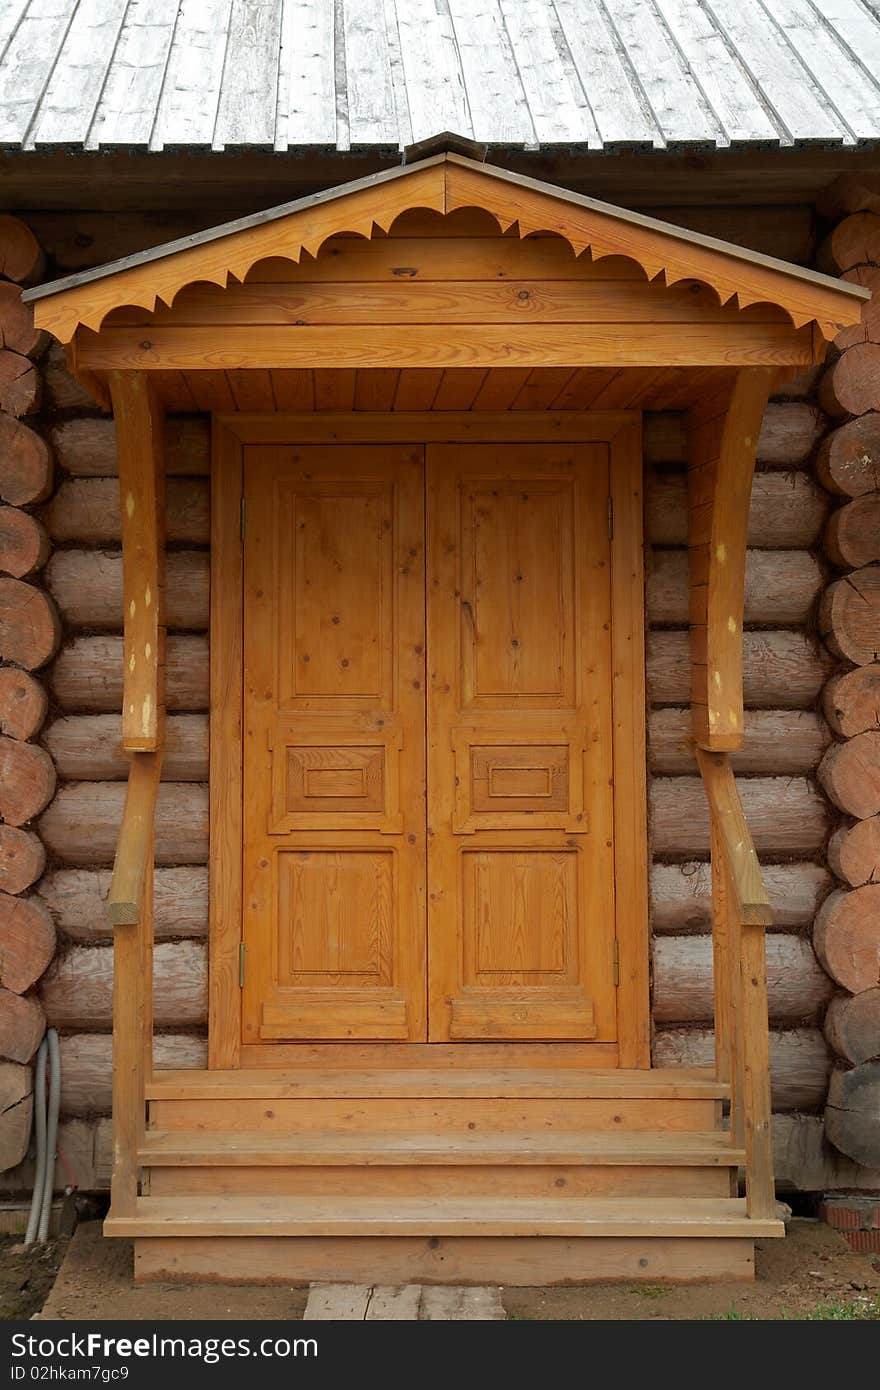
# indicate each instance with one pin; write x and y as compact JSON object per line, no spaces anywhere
{"x":328,"y":195}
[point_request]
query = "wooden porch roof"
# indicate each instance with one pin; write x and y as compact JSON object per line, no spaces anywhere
{"x":443,"y":184}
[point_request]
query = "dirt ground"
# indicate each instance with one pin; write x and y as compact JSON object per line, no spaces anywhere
{"x":812,"y":1269}
{"x":27,"y":1275}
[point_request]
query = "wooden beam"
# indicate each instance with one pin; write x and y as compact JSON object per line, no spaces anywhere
{"x":162,"y":348}
{"x":723,"y":435}
{"x":139,"y":438}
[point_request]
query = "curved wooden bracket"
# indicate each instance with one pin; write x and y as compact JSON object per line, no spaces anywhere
{"x":722,"y":440}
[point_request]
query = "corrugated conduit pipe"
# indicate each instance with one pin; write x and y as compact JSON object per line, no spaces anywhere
{"x":46,"y":1132}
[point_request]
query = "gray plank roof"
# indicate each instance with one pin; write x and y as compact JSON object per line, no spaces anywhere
{"x":378,"y":74}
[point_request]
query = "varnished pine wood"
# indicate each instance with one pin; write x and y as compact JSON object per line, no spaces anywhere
{"x":130,"y":906}
{"x":241,"y":348}
{"x":438,"y":1069}
{"x":519,"y":658}
{"x":723,"y":437}
{"x":139,"y":435}
{"x":333,"y":664}
{"x":546,"y":1260}
{"x":291,"y":1216}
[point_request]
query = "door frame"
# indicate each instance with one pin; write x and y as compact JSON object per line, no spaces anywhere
{"x":621,"y":430}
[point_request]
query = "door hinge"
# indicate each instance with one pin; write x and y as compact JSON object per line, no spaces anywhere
{"x":610,"y":512}
{"x":241,"y":519}
{"x":241,"y":953}
{"x":616,"y":964}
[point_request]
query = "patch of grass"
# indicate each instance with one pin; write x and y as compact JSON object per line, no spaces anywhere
{"x":862,"y":1309}
{"x":649,"y":1290}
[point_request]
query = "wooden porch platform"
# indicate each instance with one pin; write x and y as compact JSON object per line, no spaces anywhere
{"x":442,"y":1169}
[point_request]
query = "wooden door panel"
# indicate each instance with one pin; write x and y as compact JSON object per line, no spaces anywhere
{"x":334,"y":851}
{"x":520,"y":842}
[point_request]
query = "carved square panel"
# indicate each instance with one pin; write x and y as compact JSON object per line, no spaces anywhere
{"x":526,"y":777}
{"x":334,"y":782}
{"x":509,"y":783}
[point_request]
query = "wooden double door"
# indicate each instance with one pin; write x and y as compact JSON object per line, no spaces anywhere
{"x":427,"y":718}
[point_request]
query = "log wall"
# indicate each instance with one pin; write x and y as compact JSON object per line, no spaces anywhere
{"x":29,"y":635}
{"x":787,"y":735}
{"x":846,"y":932}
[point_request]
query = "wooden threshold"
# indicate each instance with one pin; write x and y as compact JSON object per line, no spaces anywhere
{"x":491,"y":1082}
{"x":414,"y":1216}
{"x":266,"y":1149}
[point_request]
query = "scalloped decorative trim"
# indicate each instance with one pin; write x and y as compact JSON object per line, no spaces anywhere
{"x":442,"y":187}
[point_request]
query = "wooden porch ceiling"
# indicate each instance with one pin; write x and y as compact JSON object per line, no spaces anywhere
{"x":438,"y":389}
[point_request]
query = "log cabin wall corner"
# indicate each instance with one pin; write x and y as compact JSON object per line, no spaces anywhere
{"x":775,"y":749}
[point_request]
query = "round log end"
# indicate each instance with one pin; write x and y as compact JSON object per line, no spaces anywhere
{"x":20,"y":384}
{"x":21,"y":258}
{"x":851,"y":701}
{"x":27,"y":941}
{"x":29,"y":625}
{"x":849,"y":616}
{"x":846,"y":935}
{"x":23,"y":703}
{"x":22,"y":1025}
{"x":22,"y":859}
{"x":848,"y":461}
{"x":852,"y":536}
{"x":27,"y":780}
{"x":852,"y":1025}
{"x":850,"y":774}
{"x":25,"y":464}
{"x":851,"y":385}
{"x":854,"y":852}
{"x":24,"y":545}
{"x":852,"y":1116}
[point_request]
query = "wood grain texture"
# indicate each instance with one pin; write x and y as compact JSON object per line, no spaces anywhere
{"x":22,"y":858}
{"x":849,"y":616}
{"x":850,"y":774}
{"x":848,"y":461}
{"x":786,"y":816}
{"x":27,"y":780}
{"x":681,"y":895}
{"x":782,"y":669}
{"x":27,"y":941}
{"x":851,"y":700}
{"x":852,"y":1025}
{"x":90,"y":748}
{"x":86,"y":676}
{"x":23,"y":703}
{"x":77,"y":990}
{"x":29,"y":626}
{"x":798,"y":988}
{"x":77,"y":900}
{"x":774,"y":742}
{"x":846,"y":936}
{"x":25,"y":464}
{"x":854,"y":852}
{"x":24,"y":545}
{"x":800,"y":1062}
{"x":22,"y":1025}
{"x":81,"y":825}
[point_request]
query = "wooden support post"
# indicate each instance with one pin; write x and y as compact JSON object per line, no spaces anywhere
{"x":130,"y":906}
{"x":755,"y":1035}
{"x":139,"y":427}
{"x":722,"y":441}
{"x":139,"y":433}
{"x":740,"y":913}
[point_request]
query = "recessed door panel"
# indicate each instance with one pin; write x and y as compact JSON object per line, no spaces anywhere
{"x":520,"y":862}
{"x":334,"y":736}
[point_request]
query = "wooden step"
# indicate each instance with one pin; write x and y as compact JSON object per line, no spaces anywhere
{"x":255,"y":1216}
{"x":454,"y":1082}
{"x":179,"y":1148}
